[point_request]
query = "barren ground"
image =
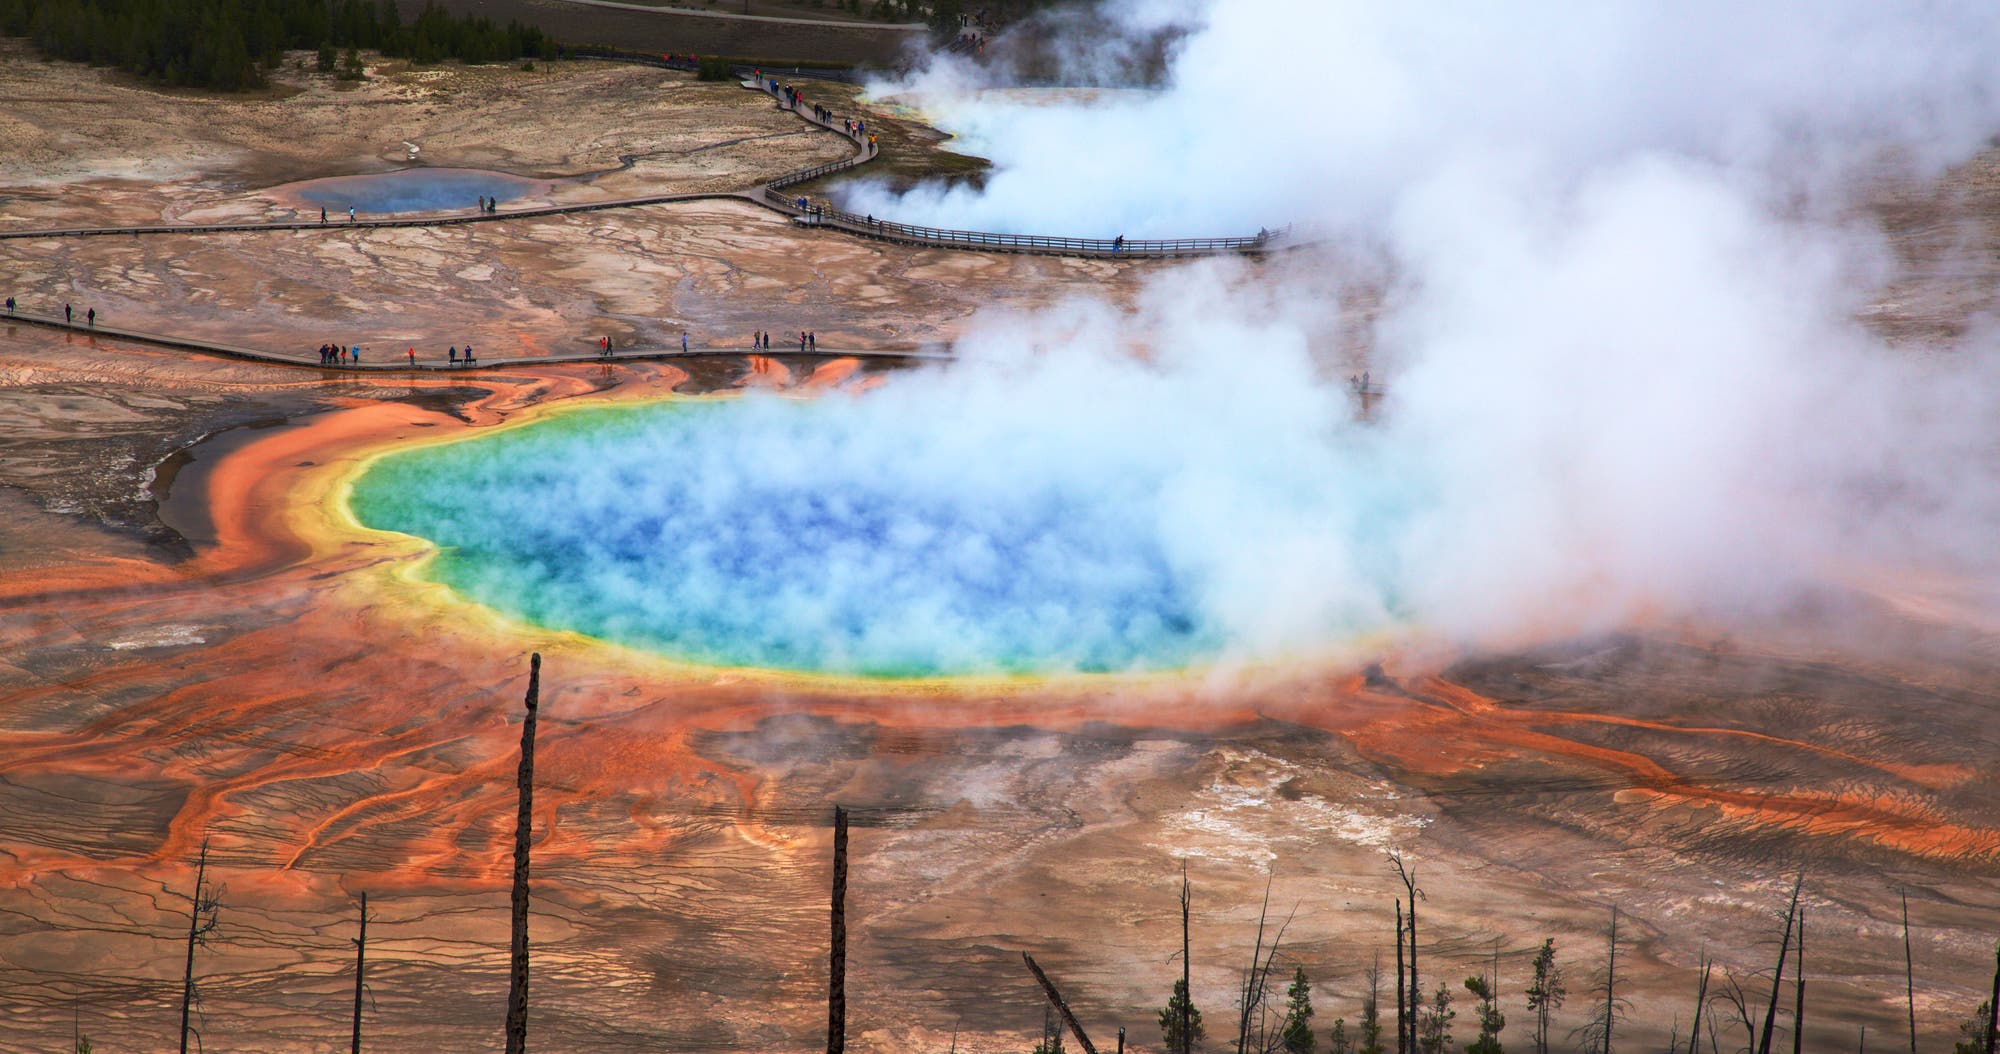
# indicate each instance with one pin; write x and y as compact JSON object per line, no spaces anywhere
{"x":194,"y":646}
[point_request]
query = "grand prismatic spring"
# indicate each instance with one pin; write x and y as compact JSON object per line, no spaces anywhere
{"x":1548,"y":449}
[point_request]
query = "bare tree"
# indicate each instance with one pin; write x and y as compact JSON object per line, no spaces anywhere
{"x":204,"y":914}
{"x":1700,"y":1003}
{"x":1598,"y":1030}
{"x":1186,"y":1008}
{"x":1799,"y":980}
{"x":1738,"y":999}
{"x":360,"y":971}
{"x":1402,"y":1011}
{"x":1909,"y":973}
{"x":1778,"y":975}
{"x":1062,"y":1007}
{"x":1408,"y":874}
{"x":1256,"y":984}
{"x":524,"y":823}
{"x":836,"y":993}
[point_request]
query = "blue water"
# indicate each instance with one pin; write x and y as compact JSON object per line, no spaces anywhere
{"x":412,"y":190}
{"x":793,"y":535}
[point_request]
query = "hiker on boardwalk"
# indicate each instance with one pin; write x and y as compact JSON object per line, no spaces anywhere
{"x":468,"y":358}
{"x":69,"y":315}
{"x":413,"y":356}
{"x":354,"y":354}
{"x":322,"y":215}
{"x":451,"y":355}
{"x":10,"y":305}
{"x":684,"y":343}
{"x":812,"y":339}
{"x":350,"y":214}
{"x":92,"y":316}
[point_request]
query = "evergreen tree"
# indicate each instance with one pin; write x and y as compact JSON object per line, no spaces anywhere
{"x":1371,"y":1014}
{"x":1546,"y":992}
{"x":1170,"y":1019}
{"x":1297,"y":1033}
{"x":1974,"y":1031}
{"x":1491,"y":1020}
{"x":1336,"y":1040}
{"x":1434,"y":1022}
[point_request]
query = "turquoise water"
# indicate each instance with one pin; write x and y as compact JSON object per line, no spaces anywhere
{"x":412,"y":190}
{"x":821,"y":536}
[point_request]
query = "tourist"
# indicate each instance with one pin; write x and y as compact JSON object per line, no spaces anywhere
{"x":69,"y":315}
{"x":354,"y":354}
{"x":451,"y":355}
{"x":350,"y":214}
{"x":413,"y":356}
{"x":802,"y":342}
{"x":10,"y":305}
{"x":684,"y":342}
{"x":469,"y":360}
{"x":91,"y":315}
{"x":322,"y":215}
{"x":812,"y":339}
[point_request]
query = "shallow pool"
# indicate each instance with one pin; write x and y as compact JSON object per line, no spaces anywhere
{"x":774,"y":534}
{"x":409,"y":190}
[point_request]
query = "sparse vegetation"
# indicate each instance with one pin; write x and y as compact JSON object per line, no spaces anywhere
{"x":226,"y":45}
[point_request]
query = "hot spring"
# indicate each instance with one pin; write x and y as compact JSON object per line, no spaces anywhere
{"x":409,"y":190}
{"x":838,"y":536}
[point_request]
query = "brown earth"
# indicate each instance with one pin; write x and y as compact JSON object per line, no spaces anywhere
{"x":196,"y":643}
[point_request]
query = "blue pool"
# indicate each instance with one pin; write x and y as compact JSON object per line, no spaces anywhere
{"x":410,"y":190}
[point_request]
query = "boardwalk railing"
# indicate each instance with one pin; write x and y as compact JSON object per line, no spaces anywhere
{"x":855,"y":223}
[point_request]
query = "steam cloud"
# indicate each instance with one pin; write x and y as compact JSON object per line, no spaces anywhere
{"x":1621,"y":275}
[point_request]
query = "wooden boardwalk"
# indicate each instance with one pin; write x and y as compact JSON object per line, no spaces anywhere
{"x":772,"y":195}
{"x":769,"y":195}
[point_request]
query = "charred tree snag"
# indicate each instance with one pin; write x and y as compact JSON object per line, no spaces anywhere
{"x":1187,"y":1003}
{"x":1056,"y":1000}
{"x":204,"y":907}
{"x":836,"y":993}
{"x":1402,"y":1016}
{"x":1778,"y":977}
{"x":360,"y":968}
{"x":517,"y":977}
{"x":1909,"y":974}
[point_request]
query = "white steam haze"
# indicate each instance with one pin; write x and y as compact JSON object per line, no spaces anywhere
{"x":1327,"y":111}
{"x":1624,"y":269}
{"x":1615,"y":270}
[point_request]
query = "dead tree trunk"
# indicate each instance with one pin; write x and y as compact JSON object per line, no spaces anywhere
{"x":1778,"y":978}
{"x":836,"y":993}
{"x":1799,"y":980}
{"x":1187,"y":992}
{"x":1611,"y":981}
{"x":1993,"y":1004}
{"x":360,"y":968}
{"x":1056,"y":1000}
{"x":1402,"y":1018}
{"x":202,"y":909}
{"x":1909,"y":974}
{"x":1700,"y":1004}
{"x":524,"y":822}
{"x":1409,"y":876}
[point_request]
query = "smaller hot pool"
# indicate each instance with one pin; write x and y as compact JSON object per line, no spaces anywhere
{"x":409,"y":190}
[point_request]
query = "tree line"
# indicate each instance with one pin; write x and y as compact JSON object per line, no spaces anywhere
{"x":1724,"y":1008}
{"x":228,"y":45}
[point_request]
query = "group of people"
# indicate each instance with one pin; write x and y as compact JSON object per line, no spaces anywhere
{"x":487,"y":204}
{"x":337,"y":355}
{"x":322,"y":214}
{"x":454,"y":356}
{"x":69,"y":313}
{"x":761,"y":341}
